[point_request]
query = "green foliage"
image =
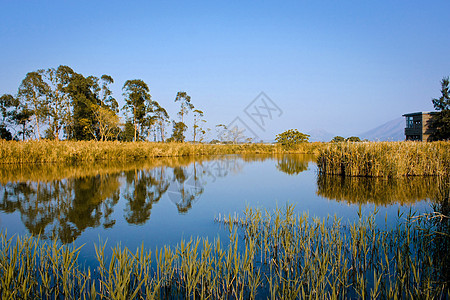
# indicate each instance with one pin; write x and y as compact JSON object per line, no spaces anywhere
{"x":22,"y":118}
{"x":81,"y":91}
{"x":199,"y":132}
{"x":127,"y":135}
{"x":138,"y":102}
{"x":178,"y":132}
{"x":5,"y":134}
{"x":291,"y":138}
{"x":441,"y":121}
{"x":8,"y":105}
{"x":185,"y":103}
{"x":353,"y":139}
{"x":32,"y":93}
{"x":162,"y":119}
{"x":338,"y":139}
{"x":58,"y":100}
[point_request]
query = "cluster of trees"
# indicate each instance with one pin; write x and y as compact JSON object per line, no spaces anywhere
{"x":62,"y":104}
{"x":339,"y":139}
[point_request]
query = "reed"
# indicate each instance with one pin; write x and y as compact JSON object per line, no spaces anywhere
{"x":12,"y":152}
{"x":277,"y":255}
{"x":385,"y":159}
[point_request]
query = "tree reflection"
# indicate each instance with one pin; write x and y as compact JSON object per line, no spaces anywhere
{"x":292,"y":164}
{"x":63,"y":208}
{"x":63,"y":202}
{"x":186,"y":187}
{"x":144,"y":188}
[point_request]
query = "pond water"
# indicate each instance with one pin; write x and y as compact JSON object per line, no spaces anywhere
{"x":159,"y":202}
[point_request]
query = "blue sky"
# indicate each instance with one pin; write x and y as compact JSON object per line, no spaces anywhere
{"x":343,"y":66}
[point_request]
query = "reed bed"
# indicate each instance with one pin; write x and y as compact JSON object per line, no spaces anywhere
{"x":12,"y":152}
{"x":385,"y":159}
{"x":276,"y":255}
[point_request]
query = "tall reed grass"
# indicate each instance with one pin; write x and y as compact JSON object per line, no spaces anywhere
{"x":89,"y":151}
{"x":385,"y":159}
{"x":276,"y":255}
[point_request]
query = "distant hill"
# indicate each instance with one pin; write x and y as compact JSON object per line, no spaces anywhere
{"x":320,"y":135}
{"x":391,"y":131}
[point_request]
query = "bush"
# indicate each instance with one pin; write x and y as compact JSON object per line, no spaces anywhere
{"x":291,"y":138}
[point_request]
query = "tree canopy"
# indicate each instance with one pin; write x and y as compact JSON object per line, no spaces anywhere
{"x":441,"y":121}
{"x":291,"y":138}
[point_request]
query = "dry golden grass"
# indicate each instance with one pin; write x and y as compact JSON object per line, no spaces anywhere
{"x":12,"y":152}
{"x":385,"y":159}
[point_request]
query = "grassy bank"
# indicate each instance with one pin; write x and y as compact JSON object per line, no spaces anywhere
{"x":12,"y":152}
{"x":278,"y":255}
{"x":385,"y":159}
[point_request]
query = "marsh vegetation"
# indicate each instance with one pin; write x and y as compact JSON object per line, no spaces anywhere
{"x":270,"y":254}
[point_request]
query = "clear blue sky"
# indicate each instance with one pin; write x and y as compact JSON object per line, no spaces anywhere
{"x":344,"y":66}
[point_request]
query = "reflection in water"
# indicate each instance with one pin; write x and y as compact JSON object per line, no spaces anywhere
{"x":185,"y":188}
{"x":144,"y":188}
{"x":294,"y":164}
{"x":64,"y":207}
{"x":440,"y":249}
{"x":380,"y":191}
{"x":63,"y":201}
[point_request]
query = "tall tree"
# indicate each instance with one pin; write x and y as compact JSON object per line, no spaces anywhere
{"x":32,"y":93}
{"x":185,"y":106}
{"x":185,"y":103}
{"x":82,"y":91}
{"x":178,"y":132}
{"x":441,"y":121}
{"x":162,"y":118}
{"x":198,"y":130}
{"x":106,"y":120}
{"x":8,"y":105}
{"x":58,"y":104}
{"x":106,"y":94}
{"x":22,"y":117}
{"x":138,"y":102}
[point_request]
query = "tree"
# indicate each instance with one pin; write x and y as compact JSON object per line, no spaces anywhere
{"x":198,"y":130}
{"x":22,"y":117}
{"x":338,"y":139}
{"x":178,"y":132}
{"x":127,"y":134}
{"x":162,"y":118}
{"x":106,"y":94}
{"x":58,"y":99}
{"x":138,"y":101}
{"x":8,"y":105}
{"x":107,"y":122}
{"x":353,"y":139}
{"x":186,"y":106}
{"x":105,"y":110}
{"x":441,"y":121}
{"x":32,"y":92}
{"x":82,"y":92}
{"x":291,"y":138}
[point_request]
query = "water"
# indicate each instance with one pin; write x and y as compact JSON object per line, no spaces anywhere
{"x":159,"y":202}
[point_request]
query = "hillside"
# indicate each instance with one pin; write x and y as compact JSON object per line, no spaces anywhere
{"x":390,"y":131}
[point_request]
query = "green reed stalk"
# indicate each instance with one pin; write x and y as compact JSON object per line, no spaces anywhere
{"x":275,"y":255}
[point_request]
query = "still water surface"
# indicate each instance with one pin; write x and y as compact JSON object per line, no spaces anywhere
{"x":161,"y":201}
